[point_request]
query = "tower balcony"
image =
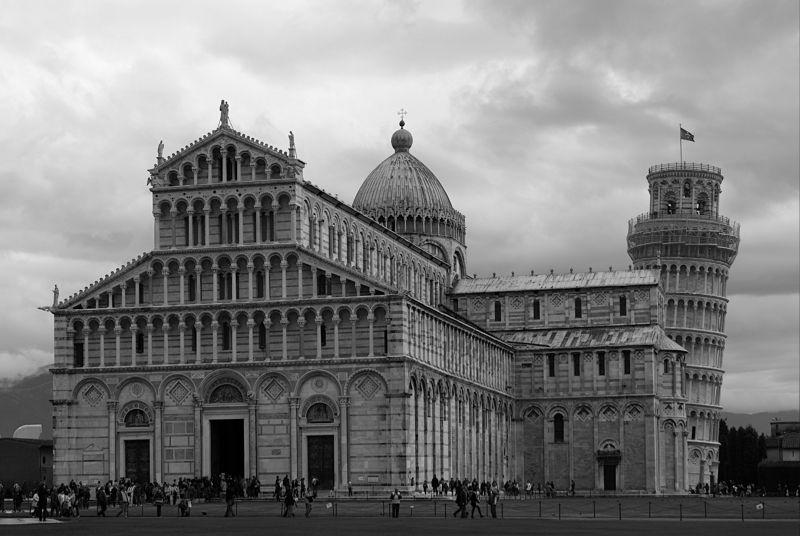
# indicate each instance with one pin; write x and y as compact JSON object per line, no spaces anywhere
{"x":683,"y":234}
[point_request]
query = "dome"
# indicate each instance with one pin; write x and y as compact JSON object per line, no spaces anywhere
{"x":402,"y":182}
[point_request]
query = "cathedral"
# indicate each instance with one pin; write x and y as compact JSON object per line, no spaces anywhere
{"x":276,"y":330}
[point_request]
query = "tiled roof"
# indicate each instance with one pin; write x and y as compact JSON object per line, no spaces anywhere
{"x":599,"y":337}
{"x":576,"y":280}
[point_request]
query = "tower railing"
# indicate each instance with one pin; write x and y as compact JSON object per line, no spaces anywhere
{"x":684,"y":166}
{"x":681,"y":217}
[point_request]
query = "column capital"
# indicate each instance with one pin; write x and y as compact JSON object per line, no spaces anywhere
{"x":294,"y":401}
{"x":158,"y":405}
{"x":344,"y":401}
{"x":112,"y":405}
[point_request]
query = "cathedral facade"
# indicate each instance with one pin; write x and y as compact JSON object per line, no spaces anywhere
{"x":274,"y":330}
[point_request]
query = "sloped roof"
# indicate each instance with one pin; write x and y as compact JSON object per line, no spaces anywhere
{"x":600,"y":337}
{"x":521,"y":283}
{"x":125,"y":268}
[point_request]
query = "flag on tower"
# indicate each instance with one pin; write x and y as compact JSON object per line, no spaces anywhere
{"x":686,"y":135}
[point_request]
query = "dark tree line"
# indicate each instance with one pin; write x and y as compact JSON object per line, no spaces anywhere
{"x":740,"y":450}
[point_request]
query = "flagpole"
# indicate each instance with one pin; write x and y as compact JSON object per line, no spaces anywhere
{"x":680,"y":140}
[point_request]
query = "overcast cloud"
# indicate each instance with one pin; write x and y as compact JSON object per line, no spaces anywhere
{"x":539,"y":118}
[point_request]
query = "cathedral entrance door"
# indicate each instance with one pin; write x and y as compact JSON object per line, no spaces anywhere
{"x":227,"y":447}
{"x":137,"y":460}
{"x":609,"y":477}
{"x":320,"y":460}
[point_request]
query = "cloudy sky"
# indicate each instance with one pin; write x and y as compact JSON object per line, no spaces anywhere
{"x":539,"y":117}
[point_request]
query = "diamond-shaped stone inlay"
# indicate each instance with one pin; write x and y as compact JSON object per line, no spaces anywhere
{"x":178,"y":392}
{"x":608,"y":415}
{"x":633,"y":414}
{"x":93,"y":395}
{"x":556,"y":300}
{"x":600,"y":298}
{"x":516,"y":303}
{"x":368,"y":387}
{"x":274,"y":389}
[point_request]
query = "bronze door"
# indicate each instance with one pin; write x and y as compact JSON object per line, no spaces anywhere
{"x":609,"y":477}
{"x":320,"y":460}
{"x":137,"y":460}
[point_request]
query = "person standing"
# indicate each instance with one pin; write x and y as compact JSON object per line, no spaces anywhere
{"x":494,"y":497}
{"x":42,"y":494}
{"x":395,"y":498}
{"x":102,"y":500}
{"x":124,"y":501}
{"x":230,"y":497}
{"x":349,"y":488}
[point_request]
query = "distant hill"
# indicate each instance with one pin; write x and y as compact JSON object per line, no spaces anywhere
{"x":27,"y":402}
{"x":759,"y":421}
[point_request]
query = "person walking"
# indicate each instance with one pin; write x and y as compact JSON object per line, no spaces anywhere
{"x":461,"y":500}
{"x":309,"y":500}
{"x":475,"y":502}
{"x":395,"y":498}
{"x":289,"y":504}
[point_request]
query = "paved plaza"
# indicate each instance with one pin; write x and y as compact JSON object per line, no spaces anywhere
{"x":581,"y":515}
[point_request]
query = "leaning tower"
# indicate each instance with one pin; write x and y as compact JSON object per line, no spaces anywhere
{"x":684,"y":234}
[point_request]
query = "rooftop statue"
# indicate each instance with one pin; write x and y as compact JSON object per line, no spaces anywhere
{"x":223,"y":114}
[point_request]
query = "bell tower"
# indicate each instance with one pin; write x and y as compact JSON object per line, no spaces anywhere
{"x":684,"y":235}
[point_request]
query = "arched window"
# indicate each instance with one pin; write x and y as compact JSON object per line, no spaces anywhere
{"x":498,"y":311}
{"x":226,"y":336}
{"x":275,"y":171}
{"x":670,"y":206}
{"x":323,"y":336}
{"x":694,"y":432}
{"x":259,"y":284}
{"x":194,"y":338}
{"x":262,"y":335}
{"x":77,"y":354}
{"x":666,"y":366}
{"x":687,"y":189}
{"x":139,"y":342}
{"x":601,"y":363}
{"x":322,"y":285}
{"x":319,"y":413}
{"x":551,"y":365}
{"x":192,"y":283}
{"x":558,"y":428}
{"x":578,"y":308}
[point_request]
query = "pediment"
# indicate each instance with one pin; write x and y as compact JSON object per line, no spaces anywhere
{"x":223,"y":137}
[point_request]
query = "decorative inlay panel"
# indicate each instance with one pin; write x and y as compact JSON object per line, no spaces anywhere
{"x":93,"y":395}
{"x":368,"y":386}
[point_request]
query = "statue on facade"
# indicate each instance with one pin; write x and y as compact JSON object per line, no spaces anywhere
{"x":223,"y":114}
{"x":55,"y":295}
{"x":291,"y":140}
{"x":161,"y":149}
